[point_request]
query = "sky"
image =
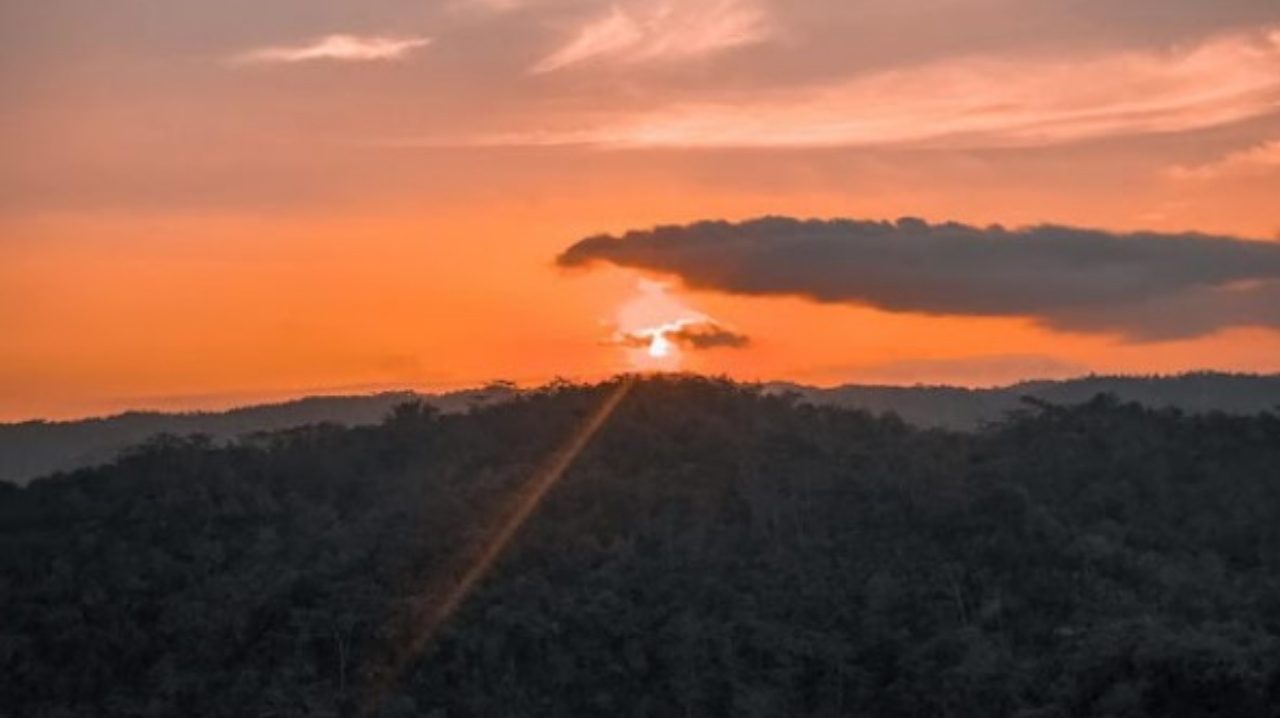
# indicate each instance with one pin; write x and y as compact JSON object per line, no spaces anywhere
{"x":210,"y":204}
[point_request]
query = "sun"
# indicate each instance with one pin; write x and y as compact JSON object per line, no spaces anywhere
{"x":643,"y":328}
{"x":660,"y":347}
{"x":655,"y":351}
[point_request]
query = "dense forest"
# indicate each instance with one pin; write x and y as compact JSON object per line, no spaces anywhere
{"x":716,"y":550}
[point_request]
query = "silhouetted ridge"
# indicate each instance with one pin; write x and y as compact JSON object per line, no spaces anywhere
{"x":33,"y":449}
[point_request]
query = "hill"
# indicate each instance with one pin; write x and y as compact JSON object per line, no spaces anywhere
{"x":32,"y":449}
{"x":715,"y":550}
{"x":965,"y":409}
{"x":38,"y":448}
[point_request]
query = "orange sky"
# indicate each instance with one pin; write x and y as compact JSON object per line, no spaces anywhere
{"x":200,"y":210}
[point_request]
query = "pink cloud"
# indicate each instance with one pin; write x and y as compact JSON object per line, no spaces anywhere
{"x":664,"y":30}
{"x":1264,"y":158}
{"x":349,"y":48}
{"x":985,"y":101}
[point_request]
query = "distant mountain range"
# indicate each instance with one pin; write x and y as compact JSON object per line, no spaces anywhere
{"x":33,"y":449}
{"x":963,"y":409}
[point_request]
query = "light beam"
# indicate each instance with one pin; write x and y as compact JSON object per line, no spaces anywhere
{"x":432,"y":608}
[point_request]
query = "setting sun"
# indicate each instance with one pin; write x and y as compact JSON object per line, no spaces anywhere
{"x":659,"y":347}
{"x":655,"y":330}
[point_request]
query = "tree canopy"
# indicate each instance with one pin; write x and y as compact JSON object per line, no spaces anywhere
{"x":716,"y":550}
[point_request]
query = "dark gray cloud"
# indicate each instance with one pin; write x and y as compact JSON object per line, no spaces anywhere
{"x":687,"y":334}
{"x":707,"y":335}
{"x":1143,"y":286}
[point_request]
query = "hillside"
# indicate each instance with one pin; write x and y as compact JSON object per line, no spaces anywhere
{"x":716,"y":550}
{"x":33,"y":449}
{"x":965,"y":409}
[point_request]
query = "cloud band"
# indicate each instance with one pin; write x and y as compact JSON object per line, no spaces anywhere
{"x":1143,"y":286}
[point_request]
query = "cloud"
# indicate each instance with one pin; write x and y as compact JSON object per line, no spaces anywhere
{"x":1143,"y":286}
{"x":615,"y":33}
{"x":348,"y":48}
{"x":697,"y":334}
{"x":491,"y":5}
{"x":1262,"y":159}
{"x":997,"y":100}
{"x":668,"y":30}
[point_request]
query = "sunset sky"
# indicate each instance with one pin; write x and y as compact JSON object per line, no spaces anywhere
{"x":204,"y":204}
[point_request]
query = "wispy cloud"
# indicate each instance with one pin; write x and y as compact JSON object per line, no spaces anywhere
{"x":615,"y":33}
{"x":664,"y":30}
{"x":348,"y":48}
{"x":1262,"y":159}
{"x":498,"y":6}
{"x":994,"y":101}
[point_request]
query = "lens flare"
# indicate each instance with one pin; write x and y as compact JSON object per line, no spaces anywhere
{"x":435,"y":605}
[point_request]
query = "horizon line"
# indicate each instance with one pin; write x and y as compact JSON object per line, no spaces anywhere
{"x":281,"y":398}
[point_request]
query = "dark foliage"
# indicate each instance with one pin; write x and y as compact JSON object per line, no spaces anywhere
{"x":715,"y":551}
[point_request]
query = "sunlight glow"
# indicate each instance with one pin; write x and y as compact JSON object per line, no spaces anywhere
{"x":644,"y":325}
{"x":660,"y":347}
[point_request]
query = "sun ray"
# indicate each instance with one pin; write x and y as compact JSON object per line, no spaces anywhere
{"x":434,"y":607}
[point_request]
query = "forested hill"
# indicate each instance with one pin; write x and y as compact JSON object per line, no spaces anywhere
{"x":33,"y":449}
{"x":714,"y":551}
